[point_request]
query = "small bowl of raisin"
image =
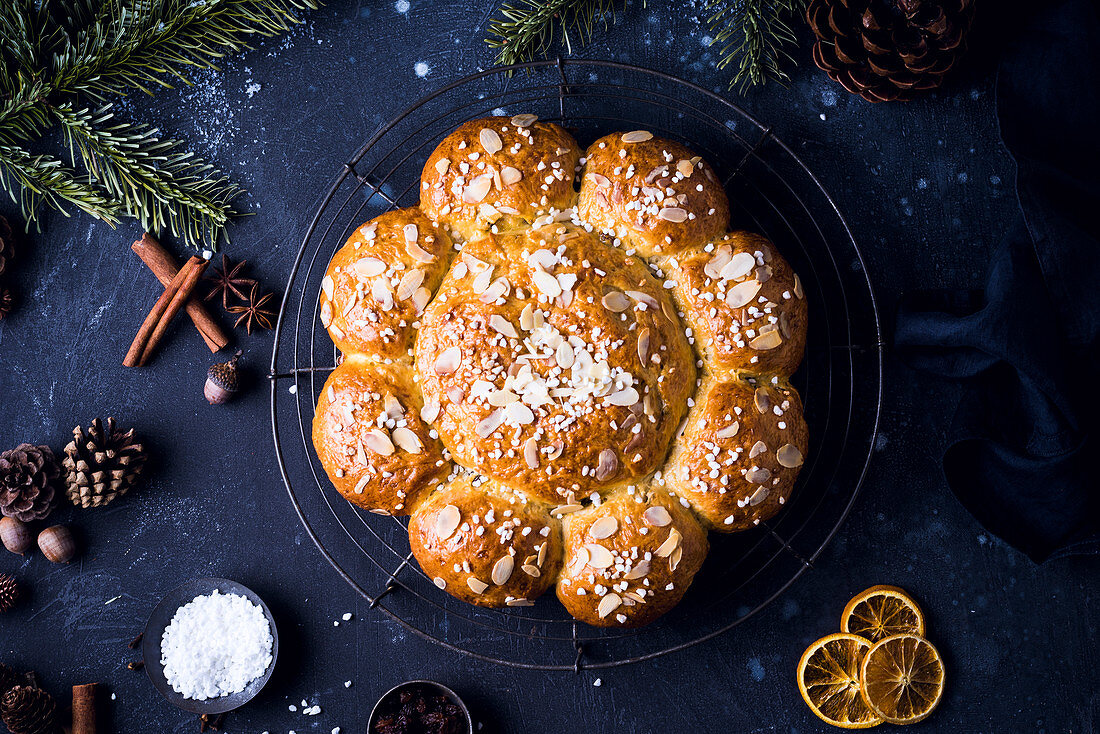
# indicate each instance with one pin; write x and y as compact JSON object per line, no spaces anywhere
{"x":420,"y":707}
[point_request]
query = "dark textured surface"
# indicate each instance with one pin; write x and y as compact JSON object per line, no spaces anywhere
{"x":927,"y":191}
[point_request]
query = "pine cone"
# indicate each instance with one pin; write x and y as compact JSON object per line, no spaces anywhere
{"x":8,"y":679}
{"x":886,"y":50}
{"x":7,"y":245}
{"x":7,"y":301}
{"x":29,"y":710}
{"x":102,"y":464}
{"x":29,"y":482}
{"x":9,"y":596}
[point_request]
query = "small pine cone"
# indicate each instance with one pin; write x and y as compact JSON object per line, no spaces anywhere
{"x":8,"y":679}
{"x":101,"y":464}
{"x":29,"y":710}
{"x":7,"y":301}
{"x":9,"y":595}
{"x":29,"y":482}
{"x":887,"y":50}
{"x":7,"y":245}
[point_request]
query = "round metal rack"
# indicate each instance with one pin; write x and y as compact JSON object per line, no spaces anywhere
{"x":771,"y":191}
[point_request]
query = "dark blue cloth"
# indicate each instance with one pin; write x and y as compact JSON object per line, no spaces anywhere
{"x":1023,"y":454}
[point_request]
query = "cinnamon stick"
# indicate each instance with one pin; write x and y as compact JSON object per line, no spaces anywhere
{"x":192,"y":271}
{"x":84,"y":709}
{"x":165,"y":267}
{"x":137,"y":347}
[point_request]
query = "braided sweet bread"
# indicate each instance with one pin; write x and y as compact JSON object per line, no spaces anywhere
{"x":564,"y":368}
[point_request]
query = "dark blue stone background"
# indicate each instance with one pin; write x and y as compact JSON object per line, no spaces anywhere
{"x":927,"y":190}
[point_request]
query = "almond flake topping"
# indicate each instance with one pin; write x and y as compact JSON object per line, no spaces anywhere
{"x":502,"y":570}
{"x":524,"y":120}
{"x":604,"y":528}
{"x":448,"y":361}
{"x":739,"y":266}
{"x":671,"y":543}
{"x":490,"y":140}
{"x":510,"y":175}
{"x":758,"y":496}
{"x":729,"y":431}
{"x":447,"y":521}
{"x":789,"y":456}
{"x":442,"y":165}
{"x":608,"y":604}
{"x":503,"y":326}
{"x":637,"y":136}
{"x":546,"y":283}
{"x":478,"y":189}
{"x":639,"y":570}
{"x":476,"y":585}
{"x":406,"y":440}
{"x":609,"y":464}
{"x":742,"y":294}
{"x":657,"y":516}
{"x":378,"y":442}
{"x":673,"y":214}
{"x":418,"y":253}
{"x":598,"y":556}
{"x":410,"y":281}
{"x":368,"y":267}
{"x":767,"y":340}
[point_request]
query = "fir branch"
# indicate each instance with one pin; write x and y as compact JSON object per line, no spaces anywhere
{"x":144,"y":41}
{"x":152,"y":179}
{"x":527,"y":28}
{"x":755,"y":34}
{"x":46,"y":180}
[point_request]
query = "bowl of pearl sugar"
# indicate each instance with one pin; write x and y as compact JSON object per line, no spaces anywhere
{"x":210,"y":645}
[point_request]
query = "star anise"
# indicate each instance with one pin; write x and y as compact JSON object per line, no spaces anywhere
{"x":252,"y":312}
{"x":229,"y":280}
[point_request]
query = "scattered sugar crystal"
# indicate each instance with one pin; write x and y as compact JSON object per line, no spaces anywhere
{"x":347,"y":684}
{"x":215,"y":645}
{"x":347,"y":617}
{"x":598,"y":682}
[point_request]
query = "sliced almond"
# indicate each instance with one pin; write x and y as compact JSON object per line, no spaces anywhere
{"x":684,"y":167}
{"x":527,"y":317}
{"x":643,"y":345}
{"x":439,"y":582}
{"x":547,"y":284}
{"x":503,"y":326}
{"x":762,"y":400}
{"x":502,"y":570}
{"x":598,"y":556}
{"x":789,"y":456}
{"x":524,"y":120}
{"x":490,"y":423}
{"x":580,"y":560}
{"x":657,"y":516}
{"x":510,"y":175}
{"x":757,"y":448}
{"x":564,"y":356}
{"x":442,"y":165}
{"x":608,"y":604}
{"x":381,"y":293}
{"x":490,"y":140}
{"x":742,"y":293}
{"x":729,"y":431}
{"x":499,"y":288}
{"x":447,"y":521}
{"x":368,"y":267}
{"x":531,"y":453}
{"x":418,"y":253}
{"x":531,"y":570}
{"x":758,"y":474}
{"x":411,"y":232}
{"x":410,"y":281}
{"x":767,"y":340}
{"x":604,"y":528}
{"x":327,"y":286}
{"x":478,"y":189}
{"x":378,"y":442}
{"x":738,"y":267}
{"x":798,"y":287}
{"x":615,"y":301}
{"x":627,"y":396}
{"x":673,"y":214}
{"x":642,"y":297}
{"x":674,"y":559}
{"x":639,"y":570}
{"x":407,"y":440}
{"x":637,"y":136}
{"x":566,"y":509}
{"x":609,"y":464}
{"x":670,"y":544}
{"x":430,"y":411}
{"x":448,"y":361}
{"x":476,"y":585}
{"x":758,"y":496}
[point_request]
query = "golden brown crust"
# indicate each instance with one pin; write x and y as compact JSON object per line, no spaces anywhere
{"x":744,"y":304}
{"x":654,"y":195}
{"x":544,"y":388}
{"x":486,"y":544}
{"x":741,"y":451}
{"x":629,"y":560}
{"x":505,"y":171}
{"x":379,"y":282}
{"x":370,"y":437}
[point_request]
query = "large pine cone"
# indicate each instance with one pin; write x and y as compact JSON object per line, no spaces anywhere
{"x":886,"y":50}
{"x":29,"y":486}
{"x":7,"y":245}
{"x":9,"y":595}
{"x":102,"y":464}
{"x":29,"y":710}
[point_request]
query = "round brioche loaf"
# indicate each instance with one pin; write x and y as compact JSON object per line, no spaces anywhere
{"x":501,"y":172}
{"x":652,"y":194}
{"x":608,"y":371}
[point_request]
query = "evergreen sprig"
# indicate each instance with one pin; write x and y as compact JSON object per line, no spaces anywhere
{"x":55,"y":53}
{"x":527,"y":28}
{"x":756,"y":35}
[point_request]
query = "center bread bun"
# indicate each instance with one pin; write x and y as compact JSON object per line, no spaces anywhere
{"x":564,"y":368}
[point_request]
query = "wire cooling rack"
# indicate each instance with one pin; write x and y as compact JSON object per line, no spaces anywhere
{"x":771,"y":191}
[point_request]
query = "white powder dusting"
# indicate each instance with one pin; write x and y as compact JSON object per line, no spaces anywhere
{"x":401,"y":6}
{"x":215,"y":645}
{"x":421,"y":69}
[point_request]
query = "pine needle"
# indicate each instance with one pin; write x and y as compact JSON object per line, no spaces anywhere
{"x":46,"y":180}
{"x":756,"y":35}
{"x":528,"y":28}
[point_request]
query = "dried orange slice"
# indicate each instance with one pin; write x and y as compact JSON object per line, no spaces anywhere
{"x":880,"y":612}
{"x":828,"y":678}
{"x":902,"y":678}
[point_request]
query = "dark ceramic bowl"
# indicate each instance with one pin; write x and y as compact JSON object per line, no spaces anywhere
{"x":162,"y":616}
{"x":390,"y":695}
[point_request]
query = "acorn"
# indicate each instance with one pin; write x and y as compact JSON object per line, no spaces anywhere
{"x":222,"y":381}
{"x":57,"y":544}
{"x":15,"y":535}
